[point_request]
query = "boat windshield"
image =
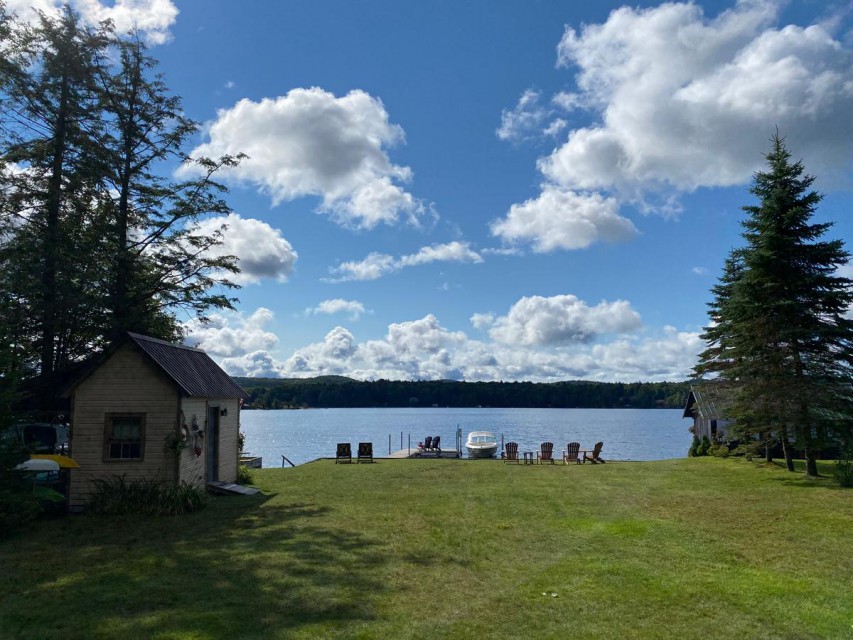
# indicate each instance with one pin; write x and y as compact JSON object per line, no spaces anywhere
{"x":483,"y":439}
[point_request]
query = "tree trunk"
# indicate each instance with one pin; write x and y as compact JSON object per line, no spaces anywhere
{"x":50,"y":247}
{"x":786,"y":449}
{"x":811,"y":463}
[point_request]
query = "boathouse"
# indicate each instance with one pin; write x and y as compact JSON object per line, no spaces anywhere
{"x":707,"y":404}
{"x":149,"y":409}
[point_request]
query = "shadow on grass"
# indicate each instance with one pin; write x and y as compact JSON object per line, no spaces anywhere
{"x":243,"y":567}
{"x":827,"y":477}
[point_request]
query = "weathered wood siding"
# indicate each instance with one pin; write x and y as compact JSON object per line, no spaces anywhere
{"x":715,"y":429}
{"x":126,"y":383}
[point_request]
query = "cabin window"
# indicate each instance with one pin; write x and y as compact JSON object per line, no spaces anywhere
{"x":124,"y":436}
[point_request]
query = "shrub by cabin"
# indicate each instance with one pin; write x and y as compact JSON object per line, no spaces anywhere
{"x":150,"y":409}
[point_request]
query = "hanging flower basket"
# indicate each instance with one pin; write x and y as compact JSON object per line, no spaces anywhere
{"x":176,"y":441}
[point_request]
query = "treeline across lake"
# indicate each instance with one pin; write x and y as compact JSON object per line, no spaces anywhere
{"x":341,"y":392}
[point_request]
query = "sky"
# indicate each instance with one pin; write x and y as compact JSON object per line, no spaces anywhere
{"x":487,"y":190}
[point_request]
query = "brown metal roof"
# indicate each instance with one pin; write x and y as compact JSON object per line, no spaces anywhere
{"x":192,"y":370}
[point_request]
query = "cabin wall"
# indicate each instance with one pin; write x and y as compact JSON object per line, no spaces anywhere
{"x":126,"y":383}
{"x":192,"y":465}
{"x":193,"y":468}
{"x":715,"y":428}
{"x":229,"y":427}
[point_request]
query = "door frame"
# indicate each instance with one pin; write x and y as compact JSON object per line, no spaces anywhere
{"x":211,"y":461}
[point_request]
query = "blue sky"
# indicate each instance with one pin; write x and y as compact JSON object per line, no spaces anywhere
{"x":493,"y":190}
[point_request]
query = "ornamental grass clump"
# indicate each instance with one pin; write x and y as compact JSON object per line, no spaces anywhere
{"x":118,"y":496}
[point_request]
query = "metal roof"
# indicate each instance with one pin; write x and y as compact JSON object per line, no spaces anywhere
{"x":710,"y":400}
{"x":192,"y":370}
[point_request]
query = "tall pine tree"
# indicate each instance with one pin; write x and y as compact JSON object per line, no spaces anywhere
{"x":779,"y":339}
{"x":95,"y":238}
{"x":158,"y":262}
{"x":48,"y":161}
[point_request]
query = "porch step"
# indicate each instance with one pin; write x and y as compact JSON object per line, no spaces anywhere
{"x":230,"y":489}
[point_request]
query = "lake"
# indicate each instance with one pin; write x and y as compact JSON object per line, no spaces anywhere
{"x":305,"y":435}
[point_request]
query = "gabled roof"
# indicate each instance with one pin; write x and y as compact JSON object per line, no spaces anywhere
{"x":192,"y":370}
{"x":708,"y":399}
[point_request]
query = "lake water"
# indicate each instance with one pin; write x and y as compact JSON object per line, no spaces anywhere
{"x":305,"y":435}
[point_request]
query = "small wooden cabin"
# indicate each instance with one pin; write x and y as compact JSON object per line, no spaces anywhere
{"x":150,"y":409}
{"x":707,"y":404}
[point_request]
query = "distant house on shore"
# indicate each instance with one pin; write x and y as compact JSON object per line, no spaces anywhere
{"x":707,"y":404}
{"x":149,"y":409}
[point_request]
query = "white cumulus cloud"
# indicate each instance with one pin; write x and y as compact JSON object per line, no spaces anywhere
{"x":337,"y":305}
{"x":531,"y":119}
{"x":376,"y":265}
{"x":151,"y":18}
{"x":230,"y":334}
{"x":312,"y":143}
{"x":563,"y":319}
{"x":682,"y":101}
{"x":564,"y":219}
{"x":539,"y":339}
{"x":689,"y":102}
{"x":262,"y":251}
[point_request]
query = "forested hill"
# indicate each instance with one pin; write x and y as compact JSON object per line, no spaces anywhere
{"x":338,"y":391}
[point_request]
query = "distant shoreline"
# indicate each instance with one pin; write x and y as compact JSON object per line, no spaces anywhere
{"x":338,"y":392}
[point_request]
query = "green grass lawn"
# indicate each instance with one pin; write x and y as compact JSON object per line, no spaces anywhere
{"x":694,"y":548}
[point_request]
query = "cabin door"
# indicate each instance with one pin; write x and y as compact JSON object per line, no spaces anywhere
{"x":212,"y":438}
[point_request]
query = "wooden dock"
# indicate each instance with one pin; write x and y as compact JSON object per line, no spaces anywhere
{"x":416,"y":454}
{"x":253,"y":462}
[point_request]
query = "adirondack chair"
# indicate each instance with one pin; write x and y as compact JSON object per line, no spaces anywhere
{"x":571,"y":453}
{"x":436,"y":444}
{"x":545,"y":453}
{"x":365,"y":452}
{"x":511,"y":452}
{"x":343,"y":453}
{"x":427,"y":443}
{"x":593,"y":455}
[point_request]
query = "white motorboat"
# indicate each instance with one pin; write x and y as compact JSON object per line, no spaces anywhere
{"x":481,"y":444}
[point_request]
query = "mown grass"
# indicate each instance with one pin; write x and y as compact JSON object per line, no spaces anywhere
{"x":693,"y":548}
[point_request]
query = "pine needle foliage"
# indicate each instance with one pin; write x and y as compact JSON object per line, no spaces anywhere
{"x":778,"y":339}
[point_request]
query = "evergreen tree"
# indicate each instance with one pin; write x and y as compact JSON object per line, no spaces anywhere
{"x":779,"y":338}
{"x":158,"y":262}
{"x":48,"y":159}
{"x":94,"y":239}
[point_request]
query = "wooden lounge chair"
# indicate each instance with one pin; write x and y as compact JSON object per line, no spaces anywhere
{"x":545,"y":453}
{"x":593,"y":455}
{"x":511,"y":454}
{"x":343,"y":453}
{"x":571,"y":453}
{"x":436,"y":444}
{"x":428,"y":443}
{"x":365,"y":452}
